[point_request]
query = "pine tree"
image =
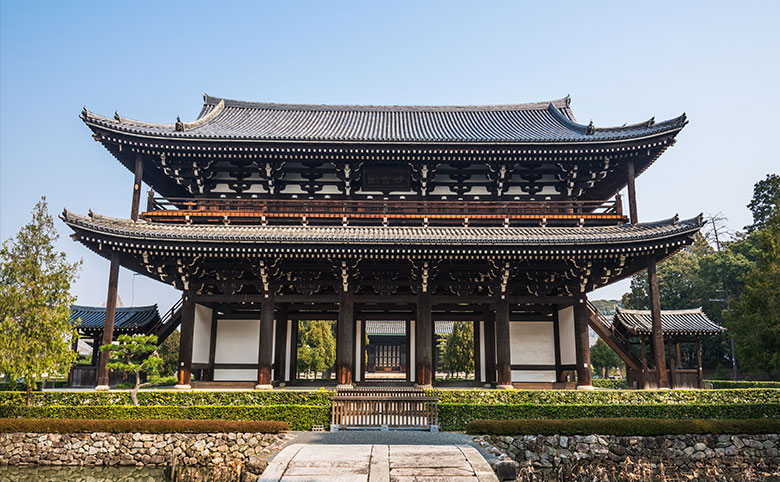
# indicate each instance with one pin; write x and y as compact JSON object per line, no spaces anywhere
{"x":133,"y":353}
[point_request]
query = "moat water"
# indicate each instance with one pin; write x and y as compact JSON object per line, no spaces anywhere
{"x":80,"y":474}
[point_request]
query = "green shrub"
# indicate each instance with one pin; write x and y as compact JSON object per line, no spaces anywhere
{"x":142,"y":426}
{"x":297,"y":417}
{"x":455,"y":416}
{"x":610,"y":383}
{"x":622,"y":426}
{"x":612,"y":397}
{"x":720,"y":384}
{"x":173,"y":398}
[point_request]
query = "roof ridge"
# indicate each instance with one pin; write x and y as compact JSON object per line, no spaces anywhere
{"x":686,"y":311}
{"x":211,"y":100}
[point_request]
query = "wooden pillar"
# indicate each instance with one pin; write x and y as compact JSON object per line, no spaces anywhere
{"x":557,"y":345}
{"x":644,"y":361}
{"x":477,"y":351}
{"x":280,"y":352}
{"x":345,"y":339}
{"x":294,"y":350}
{"x":582,"y":342}
{"x":503,"y":351}
{"x":185,"y":344}
{"x":699,"y":371}
{"x":265,"y":356}
{"x":423,"y":339}
{"x":139,"y":174}
{"x":630,"y":176}
{"x":490,"y":346}
{"x":213,"y":342}
{"x":673,"y":365}
{"x":96,"y":348}
{"x":655,"y":313}
{"x":108,"y":327}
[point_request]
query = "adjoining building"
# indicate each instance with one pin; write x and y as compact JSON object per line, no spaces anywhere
{"x":265,"y":215}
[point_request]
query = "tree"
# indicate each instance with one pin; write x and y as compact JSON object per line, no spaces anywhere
{"x":133,"y":353}
{"x":168,"y":350}
{"x":602,"y":357}
{"x":766,"y":197}
{"x":459,"y":348}
{"x":36,"y":332}
{"x":317,"y":350}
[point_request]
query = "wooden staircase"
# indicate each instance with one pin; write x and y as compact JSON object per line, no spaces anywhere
{"x":613,"y":338}
{"x":168,"y":322}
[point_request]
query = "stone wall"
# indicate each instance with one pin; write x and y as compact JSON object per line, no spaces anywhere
{"x":596,"y":455}
{"x":107,"y":449}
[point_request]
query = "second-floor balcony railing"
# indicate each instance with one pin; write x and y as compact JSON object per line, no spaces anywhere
{"x":387,"y":212}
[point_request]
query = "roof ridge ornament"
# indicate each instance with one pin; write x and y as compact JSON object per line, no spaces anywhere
{"x":591,"y":129}
{"x":179,"y":126}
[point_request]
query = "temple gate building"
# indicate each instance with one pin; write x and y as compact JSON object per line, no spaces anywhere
{"x":269,"y":215}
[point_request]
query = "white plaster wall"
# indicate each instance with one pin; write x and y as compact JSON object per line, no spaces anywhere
{"x":412,"y":360}
{"x":531,"y":343}
{"x":224,"y":375}
{"x":482,"y":372}
{"x":358,"y":351}
{"x":566,"y":331}
{"x":238,"y":341}
{"x":533,"y":375}
{"x":288,"y":347}
{"x":201,"y":336}
{"x":273,"y":351}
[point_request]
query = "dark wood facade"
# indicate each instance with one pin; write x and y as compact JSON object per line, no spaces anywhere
{"x":506,"y":216}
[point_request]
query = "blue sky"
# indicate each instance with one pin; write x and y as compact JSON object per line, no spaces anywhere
{"x":620,"y":61}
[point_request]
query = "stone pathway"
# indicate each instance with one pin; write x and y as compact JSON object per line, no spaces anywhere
{"x":378,"y":463}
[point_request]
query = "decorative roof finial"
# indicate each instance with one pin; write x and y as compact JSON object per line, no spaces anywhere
{"x":590,"y":129}
{"x":117,"y":116}
{"x":179,"y":124}
{"x":568,"y":100}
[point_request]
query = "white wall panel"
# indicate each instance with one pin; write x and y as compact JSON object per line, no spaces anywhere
{"x":237,"y":341}
{"x":533,"y":375}
{"x":566,"y":331}
{"x":531,"y":343}
{"x":201,"y":336}
{"x":225,"y":375}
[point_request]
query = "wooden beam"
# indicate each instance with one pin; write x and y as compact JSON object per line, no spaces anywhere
{"x":503,"y":350}
{"x":630,"y":177}
{"x":185,"y":344}
{"x":345,"y":341}
{"x":582,"y":342}
{"x":655,"y":314}
{"x":265,"y":355}
{"x":423,"y":337}
{"x":108,"y":327}
{"x":139,"y":173}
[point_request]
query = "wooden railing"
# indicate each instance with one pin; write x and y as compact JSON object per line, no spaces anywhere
{"x":211,"y":210}
{"x":377,"y":408}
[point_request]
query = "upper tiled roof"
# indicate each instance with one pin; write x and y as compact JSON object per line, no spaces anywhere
{"x":673,"y":322}
{"x":541,"y":122}
{"x":383,"y":235}
{"x":137,"y":319}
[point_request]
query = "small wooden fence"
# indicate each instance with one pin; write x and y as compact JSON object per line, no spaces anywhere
{"x":372,"y":408}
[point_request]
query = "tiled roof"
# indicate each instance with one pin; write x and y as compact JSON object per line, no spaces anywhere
{"x":374,"y":327}
{"x":542,"y":122}
{"x":381,"y":235}
{"x":128,"y":320}
{"x":673,"y":322}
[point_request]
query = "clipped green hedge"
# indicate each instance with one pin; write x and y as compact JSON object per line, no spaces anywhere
{"x":610,"y":383}
{"x":70,"y":425}
{"x":455,"y":416}
{"x":720,"y":384}
{"x":622,"y":426}
{"x":176,"y":398}
{"x":612,"y":397}
{"x":298,"y":417}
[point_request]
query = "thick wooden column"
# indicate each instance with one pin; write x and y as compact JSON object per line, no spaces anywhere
{"x":630,"y":177}
{"x":96,"y":349}
{"x":213,"y":342}
{"x":503,"y":350}
{"x":265,"y":355}
{"x":185,"y":344}
{"x":280,"y":350}
{"x":139,"y":174}
{"x":673,"y":365}
{"x":582,"y":343}
{"x":644,"y":362}
{"x":108,"y":327}
{"x":699,"y":372}
{"x":490,"y":346}
{"x":345,"y":338}
{"x":655,"y":314}
{"x":557,"y":345}
{"x":423,"y":339}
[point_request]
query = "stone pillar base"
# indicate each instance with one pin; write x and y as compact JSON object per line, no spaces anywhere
{"x":585,"y":387}
{"x":504,"y":387}
{"x":102,"y":388}
{"x":263,"y":387}
{"x":345,"y":386}
{"x":424,"y":387}
{"x":182,"y":387}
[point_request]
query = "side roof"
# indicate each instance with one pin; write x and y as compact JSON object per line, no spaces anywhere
{"x":673,"y":322}
{"x":539,"y":122}
{"x":128,"y":320}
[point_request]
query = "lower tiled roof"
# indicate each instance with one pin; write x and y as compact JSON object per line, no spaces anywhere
{"x":128,"y":320}
{"x":382,"y":235}
{"x":673,"y":322}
